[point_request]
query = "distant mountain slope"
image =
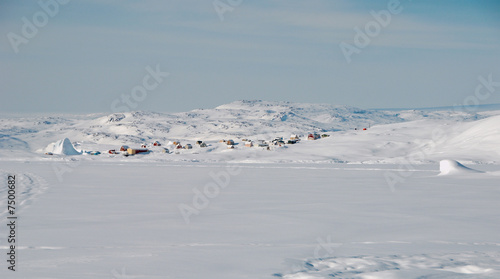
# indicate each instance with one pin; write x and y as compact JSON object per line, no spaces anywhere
{"x":469,"y":108}
{"x":236,"y":120}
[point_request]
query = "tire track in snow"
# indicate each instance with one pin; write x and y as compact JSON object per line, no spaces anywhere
{"x":28,"y":187}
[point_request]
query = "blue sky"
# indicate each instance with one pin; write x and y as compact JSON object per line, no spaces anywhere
{"x":91,"y":53}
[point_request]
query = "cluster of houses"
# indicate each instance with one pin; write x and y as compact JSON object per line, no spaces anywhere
{"x":279,"y":141}
{"x":176,"y":145}
{"x":127,"y":151}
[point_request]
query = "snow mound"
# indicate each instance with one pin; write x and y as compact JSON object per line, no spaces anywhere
{"x":450,"y":167}
{"x":449,"y":265}
{"x":62,"y":147}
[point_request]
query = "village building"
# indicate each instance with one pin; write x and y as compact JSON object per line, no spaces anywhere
{"x":262,"y":144}
{"x":313,"y":136}
{"x":133,"y":151}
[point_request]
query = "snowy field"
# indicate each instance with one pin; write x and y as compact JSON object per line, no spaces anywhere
{"x":387,"y":202}
{"x":285,"y":220}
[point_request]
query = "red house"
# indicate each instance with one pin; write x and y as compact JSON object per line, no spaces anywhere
{"x":313,"y":136}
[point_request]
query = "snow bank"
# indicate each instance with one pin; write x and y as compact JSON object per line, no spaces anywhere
{"x":450,"y":167}
{"x":444,"y":265}
{"x":480,"y":136}
{"x":62,"y":147}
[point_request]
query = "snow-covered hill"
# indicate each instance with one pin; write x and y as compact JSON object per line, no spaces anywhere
{"x":391,"y":134}
{"x":237,"y":119}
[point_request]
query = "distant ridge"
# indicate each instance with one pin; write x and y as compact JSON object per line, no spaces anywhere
{"x":255,"y":119}
{"x":478,"y":108}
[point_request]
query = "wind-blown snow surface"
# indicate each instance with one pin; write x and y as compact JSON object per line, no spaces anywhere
{"x":108,"y":220}
{"x":358,"y":204}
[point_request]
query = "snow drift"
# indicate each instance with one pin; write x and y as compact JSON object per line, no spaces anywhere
{"x":480,"y":137}
{"x":452,"y":167}
{"x":62,"y":147}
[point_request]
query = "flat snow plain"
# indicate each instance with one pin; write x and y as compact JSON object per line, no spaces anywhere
{"x":122,"y":220}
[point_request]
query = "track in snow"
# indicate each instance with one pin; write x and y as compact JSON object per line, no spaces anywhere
{"x":28,"y":187}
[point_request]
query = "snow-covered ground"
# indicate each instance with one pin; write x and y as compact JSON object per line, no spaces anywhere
{"x":391,"y":136}
{"x":359,"y":204}
{"x":106,"y":220}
